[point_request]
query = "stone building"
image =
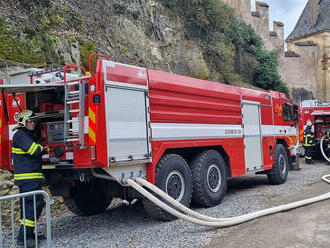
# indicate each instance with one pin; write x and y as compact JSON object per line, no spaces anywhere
{"x":304,"y":66}
{"x":259,"y":20}
{"x":308,"y":69}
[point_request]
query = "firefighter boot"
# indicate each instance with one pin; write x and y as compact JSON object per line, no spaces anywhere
{"x":30,"y":242}
{"x":308,"y":161}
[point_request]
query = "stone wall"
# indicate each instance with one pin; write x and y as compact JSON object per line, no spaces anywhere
{"x":298,"y":73}
{"x":314,"y":52}
{"x":259,"y":20}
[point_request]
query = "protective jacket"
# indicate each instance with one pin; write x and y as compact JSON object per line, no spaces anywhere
{"x":309,"y":139}
{"x":26,"y":155}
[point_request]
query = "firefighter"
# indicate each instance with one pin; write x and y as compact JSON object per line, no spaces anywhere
{"x":27,"y":161}
{"x":309,"y":142}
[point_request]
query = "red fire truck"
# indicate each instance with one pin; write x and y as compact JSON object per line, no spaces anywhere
{"x":319,"y":114}
{"x":185,"y":135}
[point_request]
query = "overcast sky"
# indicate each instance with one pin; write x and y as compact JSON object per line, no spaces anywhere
{"x":286,"y":11}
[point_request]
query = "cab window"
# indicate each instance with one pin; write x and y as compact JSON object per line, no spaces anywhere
{"x":287,"y":112}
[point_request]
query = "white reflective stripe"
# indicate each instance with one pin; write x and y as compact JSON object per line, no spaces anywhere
{"x":270,"y":130}
{"x":167,"y":131}
{"x":178,"y":131}
{"x":251,"y":130}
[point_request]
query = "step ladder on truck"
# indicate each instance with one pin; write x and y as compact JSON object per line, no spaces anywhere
{"x":186,"y":136}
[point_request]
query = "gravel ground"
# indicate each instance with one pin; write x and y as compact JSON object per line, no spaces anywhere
{"x":130,"y":226}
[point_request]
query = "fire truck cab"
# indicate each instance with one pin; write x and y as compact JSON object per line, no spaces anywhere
{"x":185,"y":135}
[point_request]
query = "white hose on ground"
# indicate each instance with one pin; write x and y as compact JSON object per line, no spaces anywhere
{"x":246,"y":216}
{"x":321,"y":147}
{"x":215,"y":222}
{"x":175,"y":203}
{"x":326,"y":178}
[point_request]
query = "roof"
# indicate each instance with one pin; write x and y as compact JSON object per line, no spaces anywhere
{"x":304,"y":28}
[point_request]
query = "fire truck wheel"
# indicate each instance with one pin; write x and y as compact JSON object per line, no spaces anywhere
{"x":279,"y":173}
{"x":173,"y":176}
{"x":87,"y":199}
{"x":209,"y":179}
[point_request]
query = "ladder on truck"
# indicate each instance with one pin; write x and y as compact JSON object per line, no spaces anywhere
{"x":74,"y":101}
{"x":74,"y":112}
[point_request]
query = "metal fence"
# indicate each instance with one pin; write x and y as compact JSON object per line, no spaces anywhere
{"x":9,"y":233}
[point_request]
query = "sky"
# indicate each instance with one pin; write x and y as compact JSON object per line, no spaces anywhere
{"x":286,"y":11}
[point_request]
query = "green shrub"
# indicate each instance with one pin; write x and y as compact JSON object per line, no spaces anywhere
{"x":267,"y":76}
{"x":230,"y":45}
{"x":86,"y":48}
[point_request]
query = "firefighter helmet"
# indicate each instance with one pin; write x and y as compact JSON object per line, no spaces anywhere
{"x":309,"y":123}
{"x":26,"y":115}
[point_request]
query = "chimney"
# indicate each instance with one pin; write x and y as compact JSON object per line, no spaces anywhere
{"x":314,"y":12}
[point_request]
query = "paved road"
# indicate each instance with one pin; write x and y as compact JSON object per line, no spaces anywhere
{"x":303,"y":227}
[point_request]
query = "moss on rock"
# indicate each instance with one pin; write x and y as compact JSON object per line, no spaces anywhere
{"x":87,"y":48}
{"x":18,"y":49}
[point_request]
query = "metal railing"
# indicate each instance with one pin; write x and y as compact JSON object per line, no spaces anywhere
{"x":11,"y":231}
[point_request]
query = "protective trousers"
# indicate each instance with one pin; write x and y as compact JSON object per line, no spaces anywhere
{"x":31,"y":213}
{"x":308,"y":154}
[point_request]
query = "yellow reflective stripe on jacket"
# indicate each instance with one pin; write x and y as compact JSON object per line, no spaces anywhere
{"x":308,"y":144}
{"x":27,"y":222}
{"x":32,"y":147}
{"x":31,"y":150}
{"x":25,"y":176}
{"x":18,"y":151}
{"x":308,"y":140}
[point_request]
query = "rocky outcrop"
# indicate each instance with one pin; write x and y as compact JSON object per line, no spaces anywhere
{"x":143,"y":33}
{"x":7,"y":187}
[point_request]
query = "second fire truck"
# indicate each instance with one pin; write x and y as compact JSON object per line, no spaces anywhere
{"x":319,"y":114}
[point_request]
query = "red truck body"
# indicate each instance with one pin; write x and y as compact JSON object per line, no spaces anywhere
{"x":134,"y":116}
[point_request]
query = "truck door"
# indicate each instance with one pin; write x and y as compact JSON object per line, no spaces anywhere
{"x":252,"y":135}
{"x":128,"y":128}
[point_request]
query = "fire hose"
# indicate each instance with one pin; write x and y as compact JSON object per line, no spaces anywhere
{"x":199,"y":219}
{"x":325,"y":137}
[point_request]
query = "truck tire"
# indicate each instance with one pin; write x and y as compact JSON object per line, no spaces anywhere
{"x":173,"y":176}
{"x":86,"y":199}
{"x":209,"y":179}
{"x":279,"y":173}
